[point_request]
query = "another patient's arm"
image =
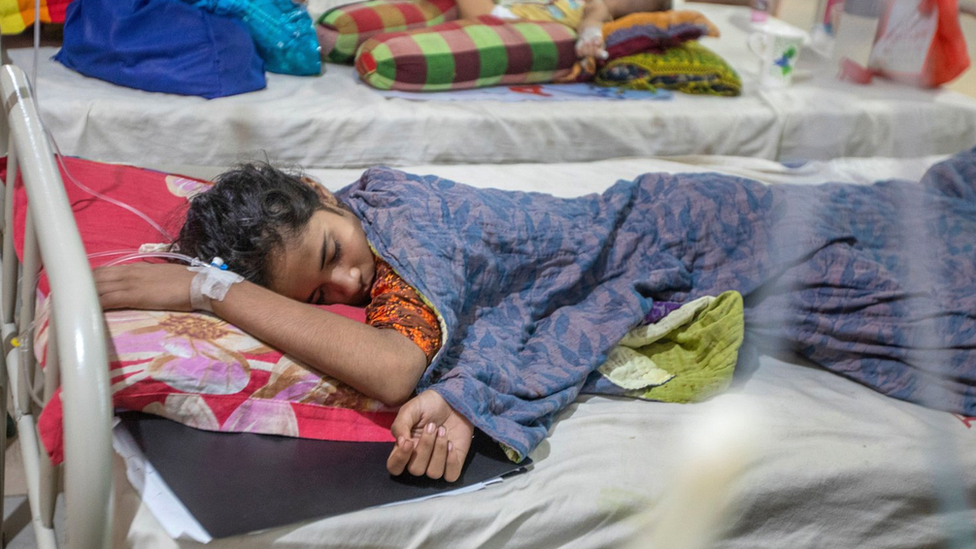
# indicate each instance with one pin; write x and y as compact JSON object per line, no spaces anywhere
{"x":468,"y":9}
{"x":590,"y":29}
{"x":380,"y":363}
{"x":595,"y":14}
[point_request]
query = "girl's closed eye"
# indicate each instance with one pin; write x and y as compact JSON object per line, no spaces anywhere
{"x":315,"y":298}
{"x":338,"y":252}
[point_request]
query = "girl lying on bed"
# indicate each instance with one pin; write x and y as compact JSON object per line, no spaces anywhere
{"x":296,"y":244}
{"x":532,"y":291}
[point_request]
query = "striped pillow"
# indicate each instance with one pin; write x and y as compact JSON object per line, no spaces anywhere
{"x":342,"y":29}
{"x":468,"y":54}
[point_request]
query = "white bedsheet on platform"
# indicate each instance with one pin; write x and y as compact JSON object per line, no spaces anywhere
{"x":835,"y":464}
{"x":336,"y":121}
{"x":840,"y":466}
{"x":575,"y":178}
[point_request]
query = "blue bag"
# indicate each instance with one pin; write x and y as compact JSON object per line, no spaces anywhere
{"x":160,"y":45}
{"x":282,"y":30}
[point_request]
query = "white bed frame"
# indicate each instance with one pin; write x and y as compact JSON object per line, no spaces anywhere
{"x":77,"y":354}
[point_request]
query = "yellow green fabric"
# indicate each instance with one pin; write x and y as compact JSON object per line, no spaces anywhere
{"x":689,"y":68}
{"x":687,"y":356}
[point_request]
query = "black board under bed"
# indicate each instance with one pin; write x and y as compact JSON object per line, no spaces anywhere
{"x":234,"y":483}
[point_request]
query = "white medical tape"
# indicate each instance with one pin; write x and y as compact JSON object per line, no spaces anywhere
{"x":502,"y":12}
{"x":590,"y":33}
{"x":210,"y":283}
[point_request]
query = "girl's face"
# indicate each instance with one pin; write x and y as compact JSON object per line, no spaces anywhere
{"x":330,"y":262}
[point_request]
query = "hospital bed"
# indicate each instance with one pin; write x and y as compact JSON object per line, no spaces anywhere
{"x":335,"y":121}
{"x":790,"y":455}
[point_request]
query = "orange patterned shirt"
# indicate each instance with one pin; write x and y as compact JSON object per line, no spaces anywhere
{"x":395,"y":305}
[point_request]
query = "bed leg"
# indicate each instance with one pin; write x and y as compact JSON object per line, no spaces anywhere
{"x":52,"y":365}
{"x":29,"y":448}
{"x":47,"y":490}
{"x":4,"y":388}
{"x":25,"y":319}
{"x":18,"y":520}
{"x":30,"y":452}
{"x":4,"y":132}
{"x":50,"y":474}
{"x":9,"y":274}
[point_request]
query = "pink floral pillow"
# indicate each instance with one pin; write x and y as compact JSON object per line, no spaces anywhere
{"x":203,"y":372}
{"x":192,"y":367}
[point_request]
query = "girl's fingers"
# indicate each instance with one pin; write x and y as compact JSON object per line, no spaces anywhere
{"x":438,"y":457}
{"x":409,"y":416}
{"x":115,"y":272}
{"x":114,"y":299}
{"x":455,"y":463}
{"x":400,"y":456}
{"x":108,"y":287}
{"x":421,"y":455}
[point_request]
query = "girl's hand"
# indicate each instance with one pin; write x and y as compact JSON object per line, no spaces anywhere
{"x":432,"y":438}
{"x":155,"y":286}
{"x":590,"y":43}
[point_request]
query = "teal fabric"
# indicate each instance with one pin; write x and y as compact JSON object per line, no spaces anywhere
{"x":282,"y":31}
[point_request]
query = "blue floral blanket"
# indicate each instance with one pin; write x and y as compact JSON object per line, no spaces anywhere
{"x":873,"y":282}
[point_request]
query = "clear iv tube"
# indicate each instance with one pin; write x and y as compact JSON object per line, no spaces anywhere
{"x":54,"y":144}
{"x":82,"y":186}
{"x":160,"y":255}
{"x":135,"y":254}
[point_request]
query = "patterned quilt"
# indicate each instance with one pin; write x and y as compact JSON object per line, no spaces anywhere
{"x":872,"y":282}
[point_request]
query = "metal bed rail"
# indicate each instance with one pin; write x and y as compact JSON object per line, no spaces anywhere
{"x":967,"y":7}
{"x":77,"y":353}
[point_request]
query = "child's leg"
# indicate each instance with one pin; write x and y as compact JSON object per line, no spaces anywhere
{"x":468,"y":9}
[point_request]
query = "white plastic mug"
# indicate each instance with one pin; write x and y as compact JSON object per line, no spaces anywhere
{"x":778,"y":47}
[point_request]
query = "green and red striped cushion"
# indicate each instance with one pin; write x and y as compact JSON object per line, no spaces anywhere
{"x":468,"y":54}
{"x":342,"y":29}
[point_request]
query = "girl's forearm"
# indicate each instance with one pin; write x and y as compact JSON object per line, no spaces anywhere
{"x":382,"y":364}
{"x":595,"y":14}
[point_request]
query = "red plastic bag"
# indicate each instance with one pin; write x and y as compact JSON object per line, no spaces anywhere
{"x":920,"y":42}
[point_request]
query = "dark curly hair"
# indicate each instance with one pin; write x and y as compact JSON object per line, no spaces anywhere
{"x":247,"y":217}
